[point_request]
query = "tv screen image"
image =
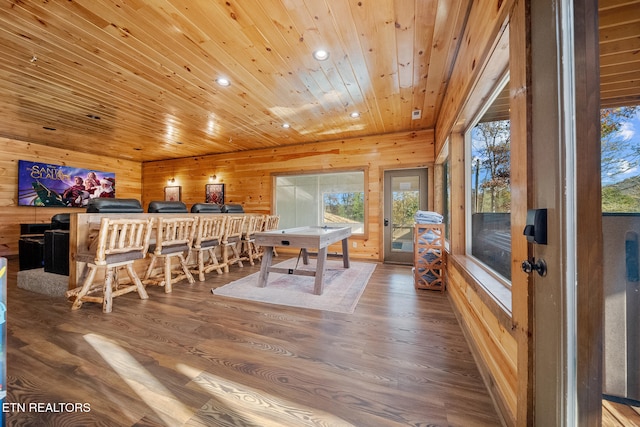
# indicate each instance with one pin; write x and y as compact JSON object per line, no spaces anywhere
{"x":45,"y":184}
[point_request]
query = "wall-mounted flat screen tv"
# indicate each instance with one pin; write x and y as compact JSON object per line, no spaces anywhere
{"x":44,"y":184}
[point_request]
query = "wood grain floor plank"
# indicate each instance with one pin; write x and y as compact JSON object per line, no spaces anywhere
{"x":190,"y":358}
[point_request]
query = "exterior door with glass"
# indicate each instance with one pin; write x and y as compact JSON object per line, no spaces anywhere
{"x":405,"y":192}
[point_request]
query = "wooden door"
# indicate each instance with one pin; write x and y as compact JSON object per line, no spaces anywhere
{"x":560,"y":363}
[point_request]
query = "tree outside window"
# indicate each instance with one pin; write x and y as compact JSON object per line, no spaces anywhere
{"x":340,"y":208}
{"x":491,"y":152}
{"x":318,"y":199}
{"x":620,"y":159}
{"x":491,"y":195}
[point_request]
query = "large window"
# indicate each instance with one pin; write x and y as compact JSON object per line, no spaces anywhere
{"x":322,"y":199}
{"x":489,"y":146}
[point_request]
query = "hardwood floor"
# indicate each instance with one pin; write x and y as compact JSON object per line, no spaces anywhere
{"x":616,"y":414}
{"x":190,"y":358}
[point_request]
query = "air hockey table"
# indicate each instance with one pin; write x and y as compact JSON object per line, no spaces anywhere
{"x":303,"y":238}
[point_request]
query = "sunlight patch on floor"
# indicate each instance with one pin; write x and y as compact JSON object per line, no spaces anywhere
{"x":166,"y":406}
{"x":254,"y":406}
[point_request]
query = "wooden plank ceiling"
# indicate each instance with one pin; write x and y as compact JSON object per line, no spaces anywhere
{"x":136,"y":79}
{"x":619,"y":22}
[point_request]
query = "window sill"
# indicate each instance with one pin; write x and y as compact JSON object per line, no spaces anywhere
{"x":494,"y":294}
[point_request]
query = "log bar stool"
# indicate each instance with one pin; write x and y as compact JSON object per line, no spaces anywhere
{"x":208,"y":237}
{"x":249,"y":247}
{"x":271,"y":222}
{"x":232,"y":240}
{"x":174,"y":237}
{"x":119,"y":243}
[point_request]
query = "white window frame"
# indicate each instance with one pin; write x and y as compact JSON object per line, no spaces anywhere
{"x":360,"y":231}
{"x":468,"y":177}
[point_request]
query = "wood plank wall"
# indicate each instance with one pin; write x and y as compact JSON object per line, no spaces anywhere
{"x":495,"y":346}
{"x":486,"y":21}
{"x":482,"y":59}
{"x":247,"y":175}
{"x":128,"y":178}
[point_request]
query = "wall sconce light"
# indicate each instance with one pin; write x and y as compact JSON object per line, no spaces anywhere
{"x":171,"y":181}
{"x":212,"y":177}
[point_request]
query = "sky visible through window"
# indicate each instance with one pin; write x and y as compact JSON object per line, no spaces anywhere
{"x":629,"y":132}
{"x":620,"y":161}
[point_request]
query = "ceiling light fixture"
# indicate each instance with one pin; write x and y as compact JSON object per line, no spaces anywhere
{"x":355,"y":115}
{"x":286,"y":125}
{"x":321,"y":54}
{"x":222,"y":81}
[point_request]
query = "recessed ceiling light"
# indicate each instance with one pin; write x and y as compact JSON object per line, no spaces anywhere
{"x":355,"y":115}
{"x":223,"y":81}
{"x":286,"y":125}
{"x":321,"y":54}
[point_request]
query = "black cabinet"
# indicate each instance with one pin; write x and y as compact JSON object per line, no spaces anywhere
{"x":31,"y":245}
{"x":27,"y":230}
{"x":42,"y":247}
{"x":31,"y":252}
{"x":56,"y":251}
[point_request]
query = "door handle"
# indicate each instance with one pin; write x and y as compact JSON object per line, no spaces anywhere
{"x":386,"y":222}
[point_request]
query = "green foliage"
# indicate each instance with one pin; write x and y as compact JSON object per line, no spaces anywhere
{"x":405,"y":205}
{"x":345,"y":205}
{"x":619,"y":156}
{"x":622,"y":197}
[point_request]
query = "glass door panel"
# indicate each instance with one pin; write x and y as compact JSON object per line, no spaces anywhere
{"x":405,"y":194}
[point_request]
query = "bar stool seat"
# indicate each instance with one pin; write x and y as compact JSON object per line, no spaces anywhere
{"x":118,"y":244}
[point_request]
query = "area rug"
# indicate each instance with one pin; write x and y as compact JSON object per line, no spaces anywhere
{"x":42,"y":282}
{"x":342,"y":287}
